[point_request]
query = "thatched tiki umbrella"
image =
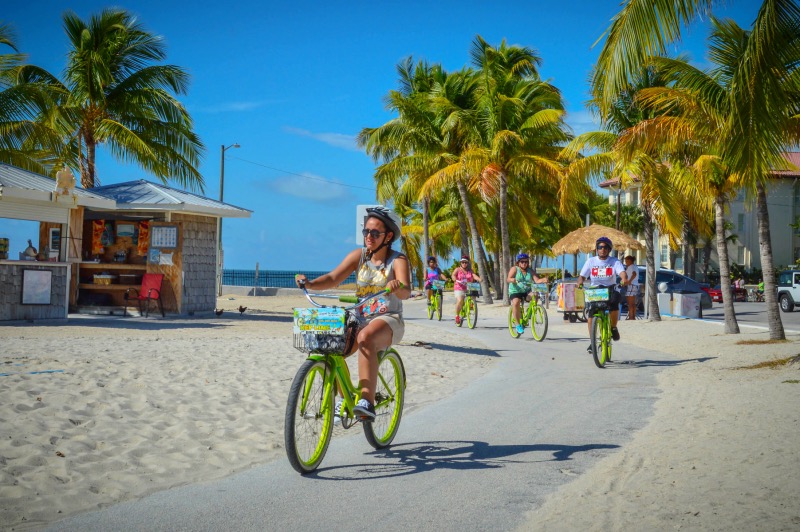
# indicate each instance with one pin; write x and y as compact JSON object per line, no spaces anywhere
{"x":582,"y":240}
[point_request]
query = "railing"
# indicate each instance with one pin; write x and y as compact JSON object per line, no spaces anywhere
{"x":270,"y":278}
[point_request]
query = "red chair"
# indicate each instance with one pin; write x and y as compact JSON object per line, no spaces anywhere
{"x":149,"y":291}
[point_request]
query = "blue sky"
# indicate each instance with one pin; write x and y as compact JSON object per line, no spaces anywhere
{"x":293,"y":83}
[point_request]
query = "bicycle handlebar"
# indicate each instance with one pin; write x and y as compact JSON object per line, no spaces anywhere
{"x":344,"y":299}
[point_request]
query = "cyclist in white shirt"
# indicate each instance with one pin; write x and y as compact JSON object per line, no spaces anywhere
{"x":602,"y":270}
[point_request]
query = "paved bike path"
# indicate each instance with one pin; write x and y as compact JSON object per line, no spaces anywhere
{"x":479,"y":460}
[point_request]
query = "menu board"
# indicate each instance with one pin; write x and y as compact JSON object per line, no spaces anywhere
{"x":164,"y":236}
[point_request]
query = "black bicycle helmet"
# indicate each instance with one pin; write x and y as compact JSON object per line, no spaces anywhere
{"x":604,"y":240}
{"x":389,"y":218}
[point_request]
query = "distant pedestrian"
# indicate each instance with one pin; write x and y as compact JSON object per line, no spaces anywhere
{"x":632,"y":290}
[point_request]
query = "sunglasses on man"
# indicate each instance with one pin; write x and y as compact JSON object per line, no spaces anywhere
{"x":372,"y":233}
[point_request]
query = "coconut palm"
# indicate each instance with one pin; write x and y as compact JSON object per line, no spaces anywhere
{"x":521,"y":126}
{"x":114,"y":94}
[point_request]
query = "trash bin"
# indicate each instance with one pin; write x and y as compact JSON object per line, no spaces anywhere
{"x":687,"y":304}
{"x":665,"y":304}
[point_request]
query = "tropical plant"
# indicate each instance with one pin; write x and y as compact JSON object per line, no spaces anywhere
{"x":114,"y":94}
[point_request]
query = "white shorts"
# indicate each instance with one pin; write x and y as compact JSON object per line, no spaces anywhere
{"x":460,"y":294}
{"x":395,"y":322}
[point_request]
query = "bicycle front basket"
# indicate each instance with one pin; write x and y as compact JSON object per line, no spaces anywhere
{"x":320,"y":330}
{"x":596,"y":295}
{"x":540,"y":288}
{"x":438,"y":284}
{"x":474,"y":289}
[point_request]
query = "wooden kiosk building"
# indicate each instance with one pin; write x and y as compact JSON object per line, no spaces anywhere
{"x":102,"y":241}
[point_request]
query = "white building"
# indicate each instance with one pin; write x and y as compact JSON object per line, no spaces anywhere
{"x":783,"y":203}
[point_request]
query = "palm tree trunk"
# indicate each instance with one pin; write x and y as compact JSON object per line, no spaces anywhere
{"x":480,"y":256}
{"x":463,"y":233}
{"x":706,"y":260}
{"x":731,"y":325}
{"x":650,"y":260}
{"x":87,"y":176}
{"x":505,"y":251}
{"x":776,"y":331}
{"x":426,"y":243}
{"x":687,"y":256}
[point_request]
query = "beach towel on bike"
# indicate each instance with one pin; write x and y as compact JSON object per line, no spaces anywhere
{"x":431,"y":274}
{"x":462,"y":278}
{"x":371,"y":278}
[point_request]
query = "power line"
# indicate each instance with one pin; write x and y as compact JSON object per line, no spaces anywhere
{"x":330,"y":182}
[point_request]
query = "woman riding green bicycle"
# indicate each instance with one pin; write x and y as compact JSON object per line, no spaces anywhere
{"x":520,"y":278}
{"x":377,"y":266}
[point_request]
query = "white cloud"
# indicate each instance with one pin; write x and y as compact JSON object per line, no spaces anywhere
{"x":234,"y":107}
{"x":582,"y":122}
{"x":311,"y":187}
{"x":337,"y":140}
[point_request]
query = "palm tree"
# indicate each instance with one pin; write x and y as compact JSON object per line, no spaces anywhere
{"x":521,"y":126}
{"x":113,"y":94}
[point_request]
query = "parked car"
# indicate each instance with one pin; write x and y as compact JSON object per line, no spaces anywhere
{"x":789,"y":290}
{"x":739,"y":294}
{"x":676,"y":283}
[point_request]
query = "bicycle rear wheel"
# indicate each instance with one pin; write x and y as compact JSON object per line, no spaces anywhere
{"x":389,"y":396}
{"x":439,"y":305}
{"x":472,"y":313}
{"x":308,"y":424}
{"x":598,"y":346}
{"x":512,"y":325}
{"x":539,"y":323}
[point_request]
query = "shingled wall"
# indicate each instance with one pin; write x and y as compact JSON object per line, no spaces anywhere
{"x":199,"y":262}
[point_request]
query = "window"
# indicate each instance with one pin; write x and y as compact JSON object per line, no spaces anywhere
{"x":634,"y":197}
{"x":740,"y":255}
{"x":664,"y":254}
{"x":740,"y":223}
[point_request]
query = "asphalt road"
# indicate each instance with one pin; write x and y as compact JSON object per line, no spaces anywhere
{"x":478,"y":460}
{"x":754,"y":315}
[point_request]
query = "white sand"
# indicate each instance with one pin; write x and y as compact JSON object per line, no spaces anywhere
{"x":141,"y":405}
{"x":145,"y":405}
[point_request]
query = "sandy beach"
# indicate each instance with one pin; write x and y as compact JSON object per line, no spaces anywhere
{"x":102,"y":411}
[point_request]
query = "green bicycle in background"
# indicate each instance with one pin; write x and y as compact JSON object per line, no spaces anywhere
{"x":600,"y":337}
{"x":326,"y":334}
{"x":435,"y":302}
{"x":535,"y":314}
{"x":469,"y":310}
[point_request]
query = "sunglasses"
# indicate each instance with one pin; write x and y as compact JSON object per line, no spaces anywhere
{"x":464,"y":262}
{"x":523,"y":262}
{"x":372,"y":233}
{"x":603,"y":246}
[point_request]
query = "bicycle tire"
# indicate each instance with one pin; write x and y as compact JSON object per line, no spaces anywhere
{"x":598,"y":349}
{"x":472,"y":314}
{"x":539,"y":323}
{"x":431,"y":309}
{"x":389,"y":398}
{"x":439,"y":306}
{"x":308,"y":424}
{"x":511,"y":327}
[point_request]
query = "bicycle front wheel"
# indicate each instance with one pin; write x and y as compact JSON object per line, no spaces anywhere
{"x":431,"y":302}
{"x":472,"y":313}
{"x":598,"y":345}
{"x":309,"y":417}
{"x":512,"y":323}
{"x":389,"y":396}
{"x":539,"y":323}
{"x":439,"y":306}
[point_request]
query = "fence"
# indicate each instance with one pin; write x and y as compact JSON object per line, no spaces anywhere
{"x":270,"y":278}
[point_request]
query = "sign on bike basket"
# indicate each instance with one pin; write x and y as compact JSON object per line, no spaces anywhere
{"x":474,"y":289}
{"x":595,"y":295}
{"x":438,"y":284}
{"x":320,"y":330}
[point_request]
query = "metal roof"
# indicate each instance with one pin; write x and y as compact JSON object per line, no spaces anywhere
{"x":144,"y":195}
{"x":21,"y":184}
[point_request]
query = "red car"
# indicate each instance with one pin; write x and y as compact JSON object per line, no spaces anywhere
{"x":739,"y":294}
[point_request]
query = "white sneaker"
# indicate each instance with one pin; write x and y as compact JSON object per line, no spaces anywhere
{"x":337,"y":411}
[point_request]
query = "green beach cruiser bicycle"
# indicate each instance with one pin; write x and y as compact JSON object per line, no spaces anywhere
{"x":469,"y":310}
{"x":534,"y":315}
{"x":326,"y":334}
{"x":435,"y":303}
{"x":600,"y":337}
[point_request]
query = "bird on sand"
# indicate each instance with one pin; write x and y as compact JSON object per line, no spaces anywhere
{"x":241,"y":310}
{"x":218,"y":311}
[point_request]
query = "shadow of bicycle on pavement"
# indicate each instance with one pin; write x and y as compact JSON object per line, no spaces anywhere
{"x":420,"y":457}
{"x":630,"y":364}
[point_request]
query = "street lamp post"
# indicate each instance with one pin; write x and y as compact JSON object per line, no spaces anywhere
{"x":222,"y":151}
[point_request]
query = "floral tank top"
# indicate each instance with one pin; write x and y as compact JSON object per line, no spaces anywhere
{"x":370,"y":278}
